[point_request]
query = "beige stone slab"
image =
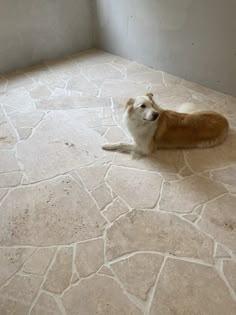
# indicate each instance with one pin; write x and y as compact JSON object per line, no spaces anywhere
{"x":185,"y":288}
{"x":186,"y":194}
{"x":219,"y":220}
{"x":81,"y":84}
{"x":138,"y":273}
{"x":101,"y":72}
{"x":117,"y":208}
{"x":24,"y":133}
{"x":136,"y":68}
{"x":105,"y":297}
{"x":154,"y":77}
{"x":50,"y":213}
{"x":119,"y":88}
{"x":46,"y":305}
{"x":19,"y":99}
{"x":221,"y":252}
{"x":226,"y":175}
{"x":18,"y":294}
{"x":229,"y":270}
{"x":8,"y":137}
{"x":213,"y":158}
{"x":40,"y":92}
{"x":48,"y":147}
{"x":156,"y":231}
{"x":8,"y":162}
{"x":134,"y":186}
{"x":11,"y":260}
{"x":10,"y":179}
{"x":39,"y":261}
{"x":93,"y":176}
{"x":170,"y":97}
{"x":164,"y":161}
{"x":59,"y":275}
{"x":72,"y":102}
{"x":89,"y":257}
{"x":103,"y":196}
{"x":30,"y":119}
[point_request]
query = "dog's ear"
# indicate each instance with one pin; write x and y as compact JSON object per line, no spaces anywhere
{"x":130,"y":102}
{"x":150,"y":96}
{"x":129,"y":105}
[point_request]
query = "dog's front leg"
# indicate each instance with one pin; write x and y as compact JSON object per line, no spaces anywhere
{"x":119,"y":146}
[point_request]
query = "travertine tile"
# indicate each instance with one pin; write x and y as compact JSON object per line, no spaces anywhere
{"x":117,"y":208}
{"x":164,"y":161}
{"x":101,"y":72}
{"x":10,"y":179}
{"x":49,"y":145}
{"x":50,"y":213}
{"x":7,"y":134}
{"x":39,"y":261}
{"x":115,"y":134}
{"x":138,"y":273}
{"x":119,"y":88}
{"x":8,"y":162}
{"x":170,"y":97}
{"x":24,"y":133}
{"x":170,"y":79}
{"x":93,"y":176}
{"x":30,"y":119}
{"x":11,"y":260}
{"x":186,"y":194}
{"x":226,"y":175}
{"x":106,"y":271}
{"x":46,"y":305}
{"x":59,"y":275}
{"x":134,"y":186}
{"x":89,"y":257}
{"x":185,"y":288}
{"x":156,"y":231}
{"x":19,"y":99}
{"x":102,"y":195}
{"x":69,"y":102}
{"x":219,"y":219}
{"x":221,"y":252}
{"x":136,"y":68}
{"x":213,"y":158}
{"x":17,"y":80}
{"x":81,"y":84}
{"x":40,"y":92}
{"x":229,"y":270}
{"x":18,"y":294}
{"x":105,"y":297}
{"x":154,"y":77}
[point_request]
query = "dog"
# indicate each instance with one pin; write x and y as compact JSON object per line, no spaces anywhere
{"x":153,"y":128}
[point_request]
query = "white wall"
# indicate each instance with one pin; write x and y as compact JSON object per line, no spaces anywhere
{"x":35,"y":30}
{"x":193,"y":39}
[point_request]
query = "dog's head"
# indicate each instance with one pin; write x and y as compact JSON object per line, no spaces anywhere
{"x":143,"y":108}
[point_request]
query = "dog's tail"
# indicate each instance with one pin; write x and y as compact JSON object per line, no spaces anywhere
{"x":189,"y":108}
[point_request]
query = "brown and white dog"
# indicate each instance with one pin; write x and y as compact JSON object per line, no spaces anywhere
{"x":153,"y":128}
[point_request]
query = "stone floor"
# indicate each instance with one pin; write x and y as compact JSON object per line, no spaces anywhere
{"x":84,"y":231}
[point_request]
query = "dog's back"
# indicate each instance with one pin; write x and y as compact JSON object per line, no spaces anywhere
{"x":182,"y":130}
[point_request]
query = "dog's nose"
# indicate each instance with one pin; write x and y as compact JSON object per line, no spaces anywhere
{"x":155,"y":115}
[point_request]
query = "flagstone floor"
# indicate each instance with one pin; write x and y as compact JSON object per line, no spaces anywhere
{"x":84,"y":231}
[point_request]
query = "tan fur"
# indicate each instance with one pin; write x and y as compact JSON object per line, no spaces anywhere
{"x":153,"y":128}
{"x":181,"y":130}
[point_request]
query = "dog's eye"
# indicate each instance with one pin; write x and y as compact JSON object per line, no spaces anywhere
{"x":143,"y":106}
